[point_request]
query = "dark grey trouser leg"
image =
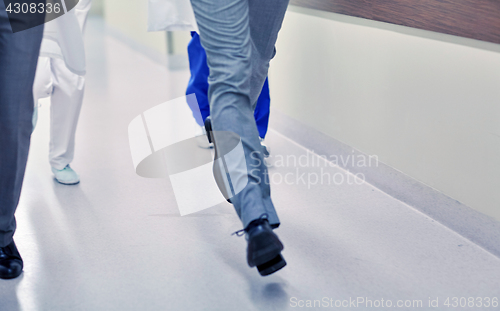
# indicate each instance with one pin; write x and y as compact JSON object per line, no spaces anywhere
{"x":239,"y":38}
{"x":18,"y":59}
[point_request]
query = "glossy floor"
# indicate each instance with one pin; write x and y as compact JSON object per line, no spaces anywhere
{"x":116,"y":241}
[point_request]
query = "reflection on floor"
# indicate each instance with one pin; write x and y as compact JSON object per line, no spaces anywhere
{"x":116,"y":240}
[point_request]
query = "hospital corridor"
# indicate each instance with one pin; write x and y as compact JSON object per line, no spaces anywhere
{"x":382,"y":155}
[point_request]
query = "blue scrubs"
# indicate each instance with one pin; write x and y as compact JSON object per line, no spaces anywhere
{"x":198,"y":84}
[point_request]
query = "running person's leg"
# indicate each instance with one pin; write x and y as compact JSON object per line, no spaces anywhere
{"x":239,"y":37}
{"x":66,"y":102}
{"x":18,"y":59}
{"x":65,"y":105}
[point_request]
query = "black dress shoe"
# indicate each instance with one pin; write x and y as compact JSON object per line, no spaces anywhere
{"x":208,"y":129}
{"x":11,"y":263}
{"x":264,"y":247}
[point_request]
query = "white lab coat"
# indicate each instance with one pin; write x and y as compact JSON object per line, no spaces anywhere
{"x":171,"y":15}
{"x":63,"y":38}
{"x":60,"y":75}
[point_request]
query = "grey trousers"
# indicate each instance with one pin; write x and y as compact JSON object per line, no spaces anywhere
{"x":239,"y":38}
{"x":18,"y":59}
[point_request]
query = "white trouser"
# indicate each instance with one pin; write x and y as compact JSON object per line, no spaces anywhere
{"x":65,"y":88}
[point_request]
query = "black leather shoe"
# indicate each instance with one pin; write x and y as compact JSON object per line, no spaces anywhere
{"x":11,"y":263}
{"x":264,"y":247}
{"x":272,"y":266}
{"x":208,"y":129}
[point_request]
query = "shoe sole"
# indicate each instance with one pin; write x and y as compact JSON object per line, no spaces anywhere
{"x":67,"y":183}
{"x":203,"y":144}
{"x":206,"y":147}
{"x":10,"y":277}
{"x":277,"y":263}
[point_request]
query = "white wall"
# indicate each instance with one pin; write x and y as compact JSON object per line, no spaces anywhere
{"x":427,"y":104}
{"x":97,"y":8}
{"x":130,"y":18}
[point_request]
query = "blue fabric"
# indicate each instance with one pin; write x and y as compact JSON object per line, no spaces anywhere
{"x":198,"y":84}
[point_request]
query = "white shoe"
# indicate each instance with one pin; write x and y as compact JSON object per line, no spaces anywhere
{"x":34,"y":120}
{"x":202,"y":139}
{"x":66,"y":176}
